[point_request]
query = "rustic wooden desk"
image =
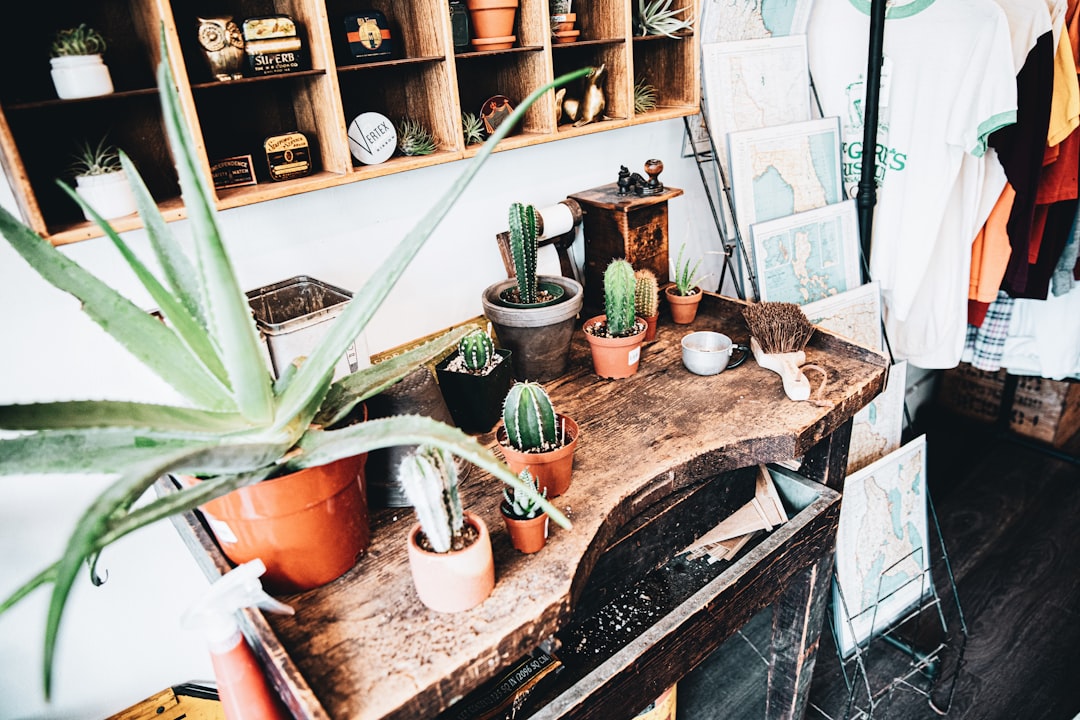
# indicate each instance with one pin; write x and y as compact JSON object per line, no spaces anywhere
{"x":652,"y":448}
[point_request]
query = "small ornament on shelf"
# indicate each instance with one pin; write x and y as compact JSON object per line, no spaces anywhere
{"x":288,"y":156}
{"x":272,"y":46}
{"x":369,"y":36}
{"x":223,"y":47}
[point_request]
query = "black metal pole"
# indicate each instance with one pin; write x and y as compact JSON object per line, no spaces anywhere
{"x":867,"y":196}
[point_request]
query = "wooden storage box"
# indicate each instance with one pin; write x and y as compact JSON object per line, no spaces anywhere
{"x":1042,"y":409}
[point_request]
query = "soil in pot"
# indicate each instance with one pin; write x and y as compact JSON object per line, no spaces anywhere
{"x":552,"y":469}
{"x":614,"y":357}
{"x":457,"y":580}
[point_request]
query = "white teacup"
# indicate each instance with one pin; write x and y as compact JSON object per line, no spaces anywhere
{"x":707,"y":353}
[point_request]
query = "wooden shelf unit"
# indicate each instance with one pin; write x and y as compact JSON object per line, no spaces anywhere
{"x":425,"y":80}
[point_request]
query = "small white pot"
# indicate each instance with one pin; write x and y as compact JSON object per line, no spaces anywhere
{"x":109,"y":194}
{"x":80,"y":76}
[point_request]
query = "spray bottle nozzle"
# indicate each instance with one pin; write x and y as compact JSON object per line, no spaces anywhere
{"x":214,"y":615}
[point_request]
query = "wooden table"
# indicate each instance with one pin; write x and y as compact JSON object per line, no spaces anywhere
{"x":653,"y":449}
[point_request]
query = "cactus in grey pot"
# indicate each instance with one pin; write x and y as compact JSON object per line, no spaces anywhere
{"x":529,"y":417}
{"x":520,"y":505}
{"x":477,"y":351}
{"x":429,"y":478}
{"x":619,"y":285}
{"x":523,"y":248}
{"x":646,"y":293}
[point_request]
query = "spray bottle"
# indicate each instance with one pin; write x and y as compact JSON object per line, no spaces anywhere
{"x":244,"y":691}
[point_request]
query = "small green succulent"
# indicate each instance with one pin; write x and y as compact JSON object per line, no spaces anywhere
{"x":472,"y":128}
{"x":415,"y":139}
{"x":100,"y":159}
{"x":656,"y":17}
{"x":80,"y":40}
{"x":644,"y":97}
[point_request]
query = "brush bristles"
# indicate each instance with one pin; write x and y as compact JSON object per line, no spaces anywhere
{"x":778,"y":326}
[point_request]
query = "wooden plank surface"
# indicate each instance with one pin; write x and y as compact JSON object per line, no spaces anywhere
{"x":368,"y":648}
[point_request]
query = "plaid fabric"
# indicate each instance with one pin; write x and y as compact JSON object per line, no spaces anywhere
{"x":987,"y":342}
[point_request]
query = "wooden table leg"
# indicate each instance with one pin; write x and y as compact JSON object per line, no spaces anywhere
{"x":826,"y":462}
{"x":797,"y":619}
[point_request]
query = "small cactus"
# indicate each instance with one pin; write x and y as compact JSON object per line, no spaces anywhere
{"x":522,"y":505}
{"x":477,"y":351}
{"x":429,"y":478}
{"x":619,"y":285}
{"x":529,"y":418}
{"x":646,"y":293}
{"x":523,"y":248}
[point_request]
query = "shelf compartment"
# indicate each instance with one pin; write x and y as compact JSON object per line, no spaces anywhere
{"x":617,"y":98}
{"x":514,"y":75}
{"x":418,"y":28}
{"x":671,"y":67}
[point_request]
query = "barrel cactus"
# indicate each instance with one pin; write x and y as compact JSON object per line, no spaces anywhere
{"x":523,"y":249}
{"x":529,"y":418}
{"x":646,"y":293}
{"x":477,"y":351}
{"x":429,"y":478}
{"x":619,"y":284}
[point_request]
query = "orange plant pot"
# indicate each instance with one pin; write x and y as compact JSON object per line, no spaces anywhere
{"x":309,"y":527}
{"x":683,"y":307}
{"x":553,"y":469}
{"x":456,"y":580}
{"x":613,"y":357}
{"x":650,"y":329}
{"x":527,"y":536}
{"x":492,"y":18}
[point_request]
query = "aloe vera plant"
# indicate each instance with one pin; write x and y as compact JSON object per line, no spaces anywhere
{"x":239,"y":426}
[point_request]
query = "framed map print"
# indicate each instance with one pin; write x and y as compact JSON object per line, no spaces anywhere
{"x":877,"y":428}
{"x":854,"y":314}
{"x":724,"y":20}
{"x":782,"y":170}
{"x":807,"y":256}
{"x":752,"y":84}
{"x":882,"y":547}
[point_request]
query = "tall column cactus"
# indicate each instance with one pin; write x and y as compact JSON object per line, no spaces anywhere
{"x":523,"y":248}
{"x":646,"y":293}
{"x":619,"y":284}
{"x":429,"y":478}
{"x":477,"y":350}
{"x":529,"y":418}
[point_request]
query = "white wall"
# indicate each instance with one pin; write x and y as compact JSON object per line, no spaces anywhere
{"x":121,"y":642}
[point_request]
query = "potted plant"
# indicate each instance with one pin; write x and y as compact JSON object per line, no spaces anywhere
{"x":684,"y":295}
{"x":100,"y":180}
{"x":615,"y":337}
{"x":533,"y":315}
{"x":536,"y":438}
{"x":237,"y":427}
{"x":449,"y":549}
{"x":525,"y":520}
{"x":474,"y":380}
{"x":647,"y":300}
{"x":77,"y":68}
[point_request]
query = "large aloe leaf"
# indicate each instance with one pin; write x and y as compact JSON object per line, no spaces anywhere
{"x":228,"y":312}
{"x":143,"y":336}
{"x":119,"y":414}
{"x":364,"y":304}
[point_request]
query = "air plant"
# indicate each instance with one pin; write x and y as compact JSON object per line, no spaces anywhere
{"x":472,"y":128}
{"x":414,"y":138}
{"x":644,"y":97}
{"x":656,"y":17}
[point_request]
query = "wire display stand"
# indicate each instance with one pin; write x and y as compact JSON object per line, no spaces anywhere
{"x":919,"y":654}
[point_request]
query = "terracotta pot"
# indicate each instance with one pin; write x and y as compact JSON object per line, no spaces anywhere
{"x":308,"y":527}
{"x":563,"y":21}
{"x":650,"y":329}
{"x":552,"y":469}
{"x":456,"y":580}
{"x":565,"y":36}
{"x":613,"y":357}
{"x":503,"y":42}
{"x":492,"y":18}
{"x":683,"y":307}
{"x":527,"y":536}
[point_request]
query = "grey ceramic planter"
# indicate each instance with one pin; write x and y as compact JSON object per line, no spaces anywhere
{"x":538,"y":337}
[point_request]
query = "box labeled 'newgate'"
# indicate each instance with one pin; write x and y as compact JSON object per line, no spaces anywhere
{"x":295,"y":314}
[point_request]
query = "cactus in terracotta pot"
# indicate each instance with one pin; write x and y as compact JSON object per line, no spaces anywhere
{"x":519,"y":505}
{"x":529,"y":418}
{"x":619,"y":288}
{"x":646,"y":293}
{"x":430,"y":481}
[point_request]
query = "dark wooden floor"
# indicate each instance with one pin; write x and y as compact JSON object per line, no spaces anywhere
{"x":1010,"y":518}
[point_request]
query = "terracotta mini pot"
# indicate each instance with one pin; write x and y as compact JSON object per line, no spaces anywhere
{"x":613,"y":357}
{"x":683,"y":307}
{"x":650,"y":329}
{"x":492,"y":18}
{"x":552,"y":469}
{"x":494,"y":43}
{"x":527,"y":536}
{"x":456,"y":580}
{"x":564,"y":21}
{"x":565,"y":36}
{"x":309,"y":527}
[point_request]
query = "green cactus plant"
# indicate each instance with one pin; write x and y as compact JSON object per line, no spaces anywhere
{"x":430,"y":481}
{"x":646,"y":293}
{"x":619,"y":286}
{"x":529,"y":417}
{"x":477,"y":351}
{"x":523,"y":248}
{"x":520,"y":505}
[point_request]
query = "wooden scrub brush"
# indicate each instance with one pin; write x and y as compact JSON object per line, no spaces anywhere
{"x":778,"y":333}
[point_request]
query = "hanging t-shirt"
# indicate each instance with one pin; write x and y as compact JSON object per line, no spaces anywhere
{"x":951,"y":83}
